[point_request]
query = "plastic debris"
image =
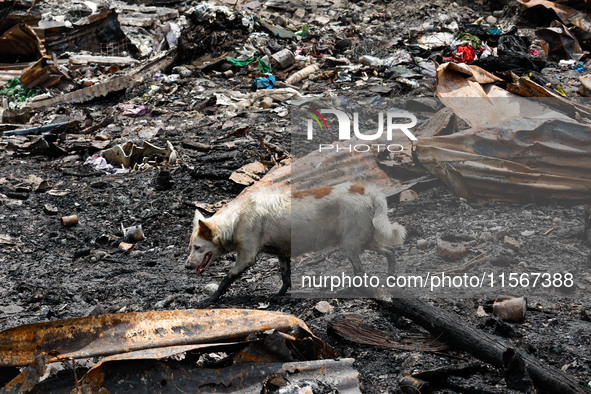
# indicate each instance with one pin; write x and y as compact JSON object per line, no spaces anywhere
{"x":134,"y":157}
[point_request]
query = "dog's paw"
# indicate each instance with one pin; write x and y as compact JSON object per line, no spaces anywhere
{"x":205,"y":304}
{"x":278,"y":298}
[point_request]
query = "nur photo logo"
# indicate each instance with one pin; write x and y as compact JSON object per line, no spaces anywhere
{"x":315,"y":117}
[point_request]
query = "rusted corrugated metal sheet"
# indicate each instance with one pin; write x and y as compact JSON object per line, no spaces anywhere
{"x":329,"y":169}
{"x":159,"y":377}
{"x":514,"y":160}
{"x":126,"y":332}
{"x":518,"y":147}
{"x":155,"y":352}
{"x":332,"y":169}
{"x":566,"y":14}
{"x":22,"y":41}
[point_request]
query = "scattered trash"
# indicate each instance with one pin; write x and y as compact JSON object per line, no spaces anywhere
{"x":261,"y":65}
{"x":585,"y":89}
{"x":398,"y":57}
{"x":131,"y":156}
{"x":283,"y":59}
{"x":99,"y":163}
{"x":480,"y":312}
{"x":69,"y":221}
{"x":126,"y":247}
{"x":302,"y":74}
{"x":324,"y":307}
{"x":431,"y":41}
{"x":166,"y":37}
{"x":133,"y":234}
{"x":240,"y":101}
{"x":510,"y":309}
{"x":411,"y":385}
{"x":264,"y":82}
{"x":133,"y":110}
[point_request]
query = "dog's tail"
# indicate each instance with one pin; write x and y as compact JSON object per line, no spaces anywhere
{"x":386,"y":233}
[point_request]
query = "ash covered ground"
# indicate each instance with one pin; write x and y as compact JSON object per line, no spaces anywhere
{"x":50,"y":272}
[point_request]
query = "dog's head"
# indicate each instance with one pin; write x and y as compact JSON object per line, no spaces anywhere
{"x":202,"y":248}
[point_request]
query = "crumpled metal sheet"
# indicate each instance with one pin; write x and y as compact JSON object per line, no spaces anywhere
{"x":513,"y":160}
{"x":316,"y":170}
{"x":171,"y":376}
{"x":566,"y":14}
{"x":455,"y":81}
{"x":559,"y":40}
{"x":518,"y":147}
{"x":127,"y":332}
{"x":22,"y":40}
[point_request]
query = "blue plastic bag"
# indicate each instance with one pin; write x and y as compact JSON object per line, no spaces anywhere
{"x":264,"y":82}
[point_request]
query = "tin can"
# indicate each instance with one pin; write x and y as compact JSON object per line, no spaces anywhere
{"x":282,"y":59}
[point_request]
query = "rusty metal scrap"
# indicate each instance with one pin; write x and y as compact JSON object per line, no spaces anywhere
{"x":517,"y":147}
{"x":28,"y":378}
{"x":132,"y":156}
{"x":513,"y":160}
{"x":329,"y":169}
{"x":133,"y":77}
{"x":171,"y":376}
{"x":44,"y":74}
{"x":126,"y":332}
{"x":355,"y":330}
{"x":456,"y":81}
{"x":89,"y":34}
{"x":567,"y":15}
{"x":140,"y":350}
{"x":21,"y":40}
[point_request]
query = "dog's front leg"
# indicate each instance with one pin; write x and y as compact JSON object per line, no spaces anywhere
{"x":285,"y":266}
{"x":244,"y":260}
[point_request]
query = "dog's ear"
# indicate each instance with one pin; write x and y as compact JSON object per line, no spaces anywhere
{"x":206,"y":230}
{"x":197,"y":218}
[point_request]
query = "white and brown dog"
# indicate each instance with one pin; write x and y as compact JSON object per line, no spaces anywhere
{"x":349,"y":215}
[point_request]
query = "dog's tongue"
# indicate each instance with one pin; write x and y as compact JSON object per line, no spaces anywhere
{"x":203,"y":264}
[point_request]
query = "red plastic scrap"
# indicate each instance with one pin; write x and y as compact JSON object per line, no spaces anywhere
{"x":464,"y":54}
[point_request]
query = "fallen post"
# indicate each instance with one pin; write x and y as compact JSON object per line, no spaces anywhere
{"x":450,"y":329}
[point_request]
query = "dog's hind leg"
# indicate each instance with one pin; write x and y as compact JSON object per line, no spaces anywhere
{"x":353,"y":252}
{"x":244,"y":260}
{"x":391,"y":257}
{"x":285,"y":267}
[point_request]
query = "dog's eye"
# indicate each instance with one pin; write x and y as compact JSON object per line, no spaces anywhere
{"x":197,"y":248}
